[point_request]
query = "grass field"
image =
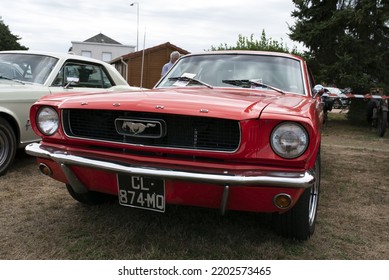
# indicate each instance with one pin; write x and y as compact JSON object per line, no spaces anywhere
{"x":39,"y":220}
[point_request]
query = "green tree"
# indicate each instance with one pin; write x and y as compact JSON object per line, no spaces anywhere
{"x":264,"y":44}
{"x":8,"y":41}
{"x":347,"y":41}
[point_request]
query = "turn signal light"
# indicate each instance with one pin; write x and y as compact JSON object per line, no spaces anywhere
{"x":45,"y":170}
{"x":282,"y":200}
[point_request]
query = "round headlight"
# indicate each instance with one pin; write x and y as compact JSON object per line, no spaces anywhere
{"x":289,"y":140}
{"x":47,"y":120}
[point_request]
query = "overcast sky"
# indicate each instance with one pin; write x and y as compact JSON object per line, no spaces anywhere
{"x":51,"y":25}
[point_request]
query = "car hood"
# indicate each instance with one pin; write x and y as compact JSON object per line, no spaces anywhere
{"x":10,"y":90}
{"x":229,"y":103}
{"x":8,"y":84}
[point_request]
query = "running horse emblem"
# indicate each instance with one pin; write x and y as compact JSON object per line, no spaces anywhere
{"x":136,"y":128}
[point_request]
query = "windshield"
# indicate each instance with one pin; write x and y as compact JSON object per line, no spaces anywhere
{"x":26,"y":67}
{"x":226,"y":70}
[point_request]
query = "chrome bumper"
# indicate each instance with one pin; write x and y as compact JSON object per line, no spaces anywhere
{"x":267,"y":178}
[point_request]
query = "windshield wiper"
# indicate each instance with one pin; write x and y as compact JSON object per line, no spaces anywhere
{"x":10,"y":79}
{"x":250,"y":83}
{"x":190,"y":80}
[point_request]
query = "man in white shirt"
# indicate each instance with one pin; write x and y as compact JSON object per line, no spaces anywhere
{"x":173,"y":58}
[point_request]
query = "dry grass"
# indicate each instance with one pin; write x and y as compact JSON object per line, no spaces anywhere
{"x":39,"y":220}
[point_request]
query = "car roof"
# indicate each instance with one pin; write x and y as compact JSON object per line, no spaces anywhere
{"x":249,"y":52}
{"x":58,"y":55}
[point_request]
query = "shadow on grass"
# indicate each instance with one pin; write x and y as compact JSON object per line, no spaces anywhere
{"x":179,"y":233}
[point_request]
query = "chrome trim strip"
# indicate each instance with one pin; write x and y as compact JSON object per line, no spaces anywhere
{"x":268,"y":178}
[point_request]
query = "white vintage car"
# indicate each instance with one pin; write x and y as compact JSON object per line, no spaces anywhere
{"x":25,"y":76}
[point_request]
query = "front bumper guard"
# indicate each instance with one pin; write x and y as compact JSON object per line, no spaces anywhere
{"x":266,"y":178}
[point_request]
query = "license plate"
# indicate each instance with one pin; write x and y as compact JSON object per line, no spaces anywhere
{"x":141,"y":192}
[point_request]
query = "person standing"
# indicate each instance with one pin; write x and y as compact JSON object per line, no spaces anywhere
{"x":173,"y":58}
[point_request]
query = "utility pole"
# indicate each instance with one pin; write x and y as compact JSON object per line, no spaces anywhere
{"x":137,"y":24}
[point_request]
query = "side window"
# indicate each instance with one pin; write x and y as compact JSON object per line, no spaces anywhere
{"x":83,"y":75}
{"x":98,"y":76}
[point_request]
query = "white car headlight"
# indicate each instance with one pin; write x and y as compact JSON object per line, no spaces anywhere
{"x":289,"y":140}
{"x":47,"y":120}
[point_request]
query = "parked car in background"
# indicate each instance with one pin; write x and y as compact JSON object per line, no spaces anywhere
{"x":234,"y":130}
{"x":338,"y":98}
{"x":25,"y":76}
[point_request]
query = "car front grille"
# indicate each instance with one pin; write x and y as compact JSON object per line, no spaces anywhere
{"x":181,"y":132}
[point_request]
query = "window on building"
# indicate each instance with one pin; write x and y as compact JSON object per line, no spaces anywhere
{"x":106,"y":56}
{"x":86,"y":53}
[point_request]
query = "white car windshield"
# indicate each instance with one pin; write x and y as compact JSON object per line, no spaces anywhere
{"x":237,"y":70}
{"x":26,"y":67}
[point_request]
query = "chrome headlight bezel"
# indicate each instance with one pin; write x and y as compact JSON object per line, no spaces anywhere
{"x":289,"y":140}
{"x":47,"y":120}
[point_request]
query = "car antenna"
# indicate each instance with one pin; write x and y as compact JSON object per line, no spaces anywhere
{"x":143,"y":60}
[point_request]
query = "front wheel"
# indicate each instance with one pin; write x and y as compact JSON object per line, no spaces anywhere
{"x":8,"y":146}
{"x":299,"y":222}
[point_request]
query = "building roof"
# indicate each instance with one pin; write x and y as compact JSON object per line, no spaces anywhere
{"x":166,"y":45}
{"x":103,"y":39}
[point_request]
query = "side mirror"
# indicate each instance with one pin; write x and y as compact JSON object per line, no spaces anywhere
{"x":317,"y":89}
{"x":71,"y":81}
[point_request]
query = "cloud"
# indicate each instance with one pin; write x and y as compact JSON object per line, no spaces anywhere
{"x":51,"y":25}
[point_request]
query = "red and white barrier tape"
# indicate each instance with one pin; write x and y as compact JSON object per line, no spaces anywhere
{"x":367,"y":96}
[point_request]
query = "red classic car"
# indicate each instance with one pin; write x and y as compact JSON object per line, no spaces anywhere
{"x":232,"y":130}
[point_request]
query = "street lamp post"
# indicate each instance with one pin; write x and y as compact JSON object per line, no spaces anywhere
{"x":137,"y":24}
